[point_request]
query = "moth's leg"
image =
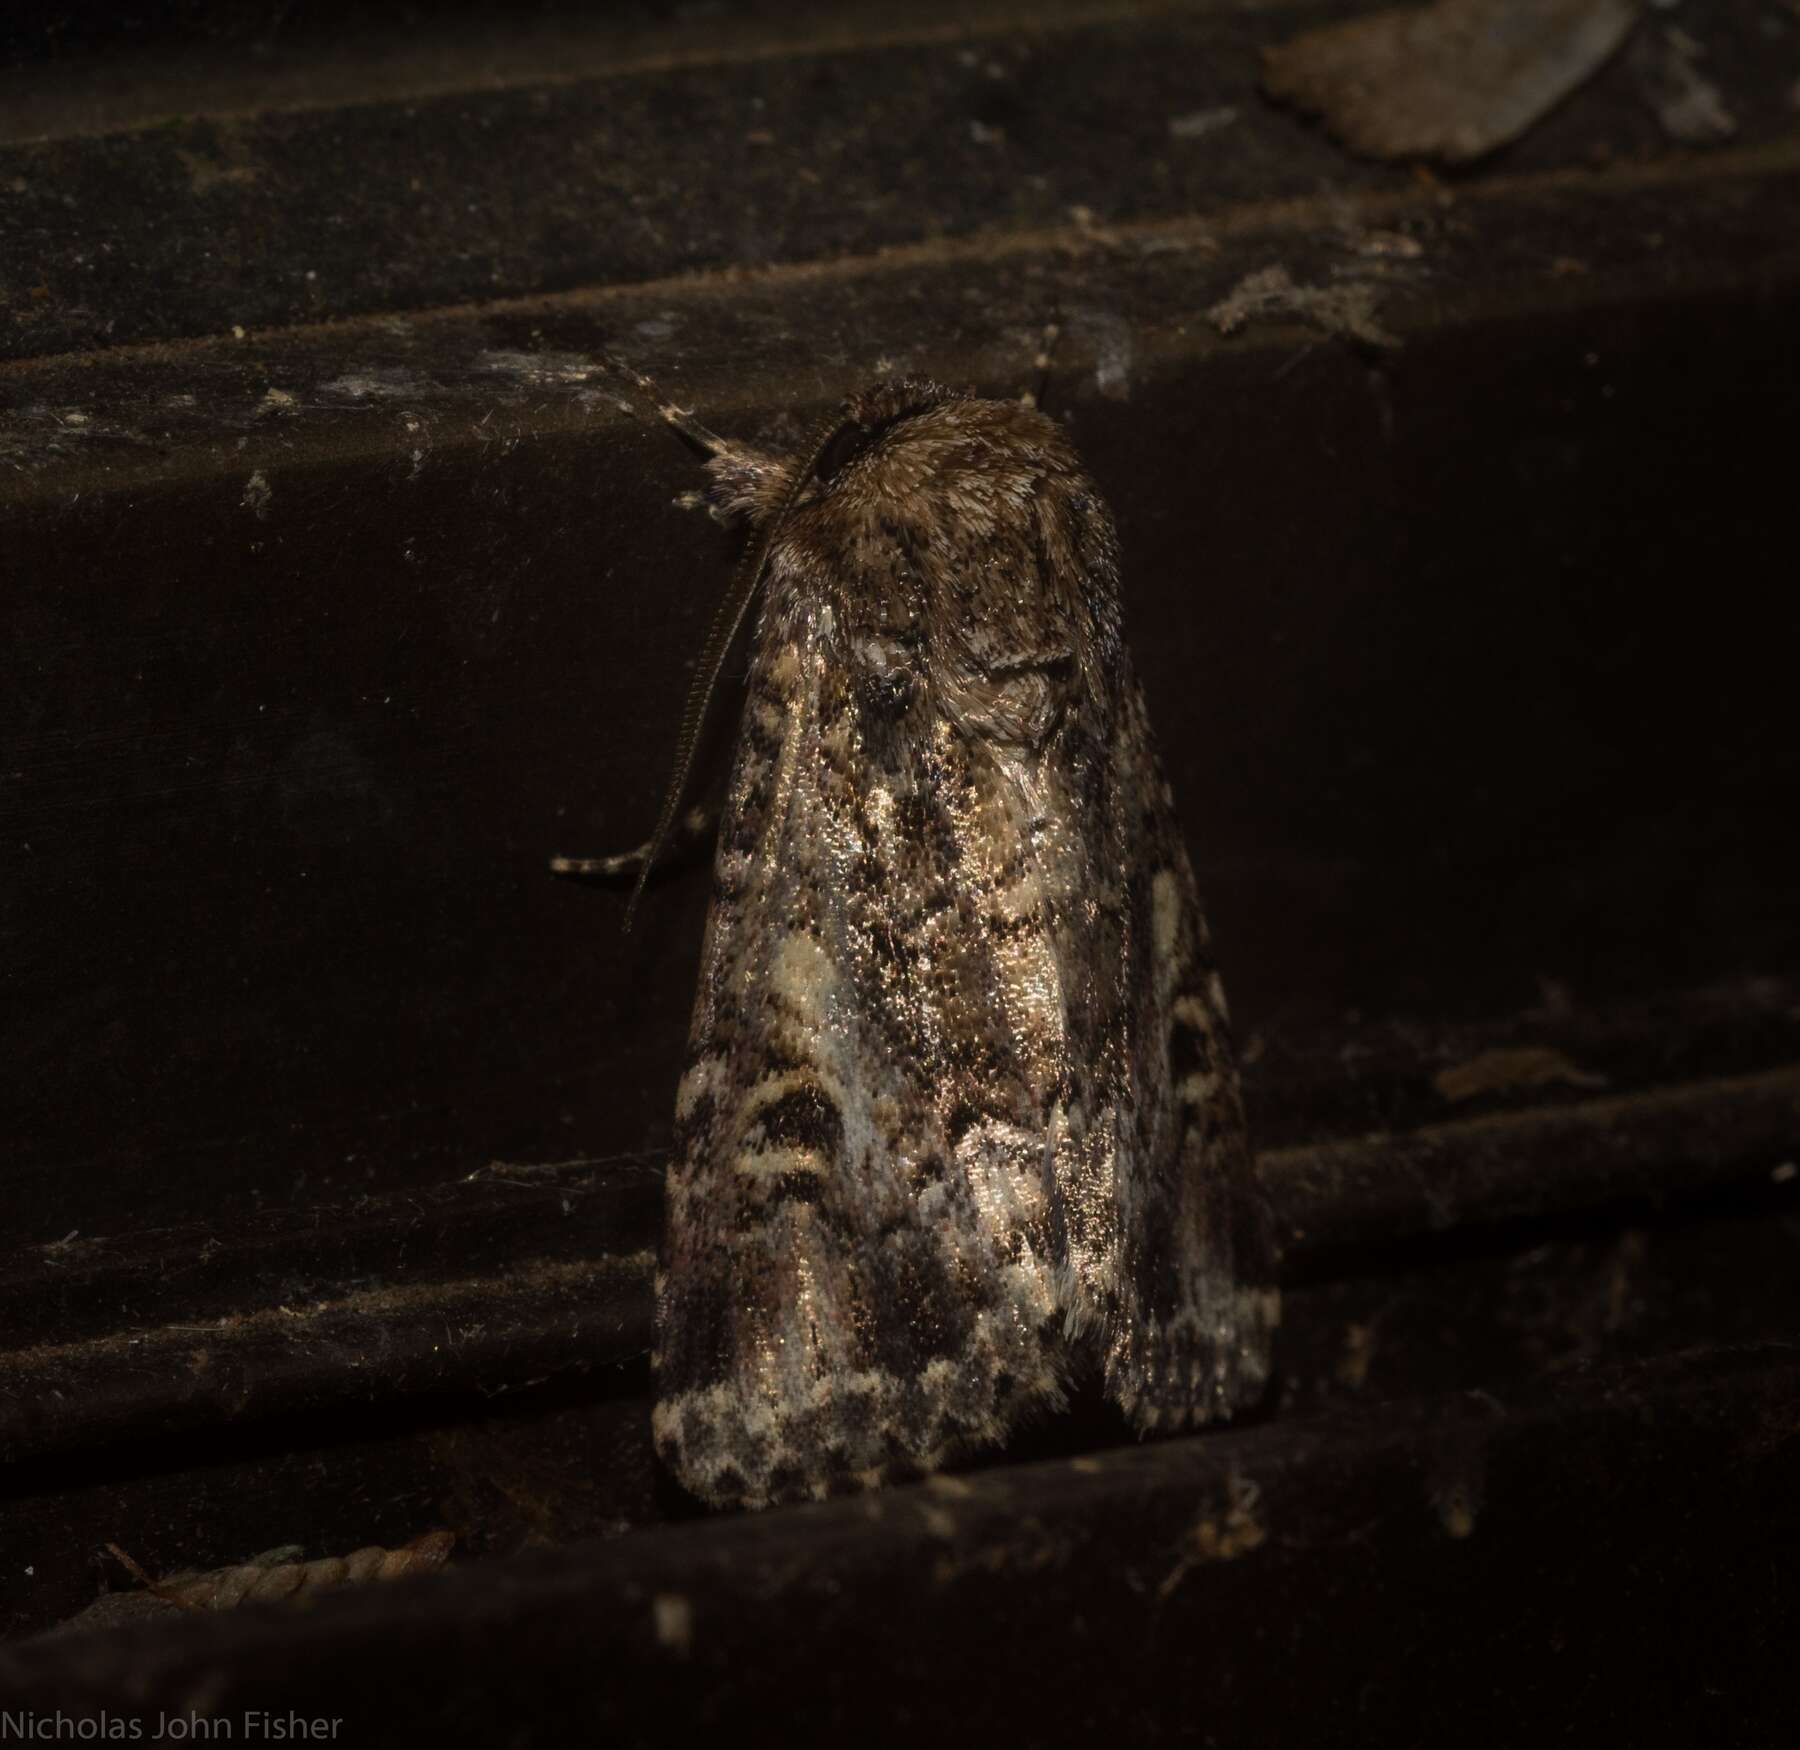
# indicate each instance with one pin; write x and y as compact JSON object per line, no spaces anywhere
{"x":685,"y":425}
{"x":678,"y":419}
{"x":745,"y":483}
{"x":694,"y":828}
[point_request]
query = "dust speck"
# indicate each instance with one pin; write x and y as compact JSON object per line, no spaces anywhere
{"x":940,"y":1522}
{"x":674,"y":1619}
{"x":1359,"y":1351}
{"x":1457,"y":1505}
{"x":1198,"y":123}
{"x":954,"y":1487}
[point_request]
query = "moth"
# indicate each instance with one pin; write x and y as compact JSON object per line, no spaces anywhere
{"x":960,"y":1114}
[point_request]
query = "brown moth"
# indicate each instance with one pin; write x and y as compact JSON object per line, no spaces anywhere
{"x":960,"y":1111}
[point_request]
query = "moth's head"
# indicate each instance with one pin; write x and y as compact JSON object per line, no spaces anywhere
{"x":756,"y":485}
{"x":870,"y":416}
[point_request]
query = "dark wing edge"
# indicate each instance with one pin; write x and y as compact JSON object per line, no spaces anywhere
{"x":1188,"y":1337}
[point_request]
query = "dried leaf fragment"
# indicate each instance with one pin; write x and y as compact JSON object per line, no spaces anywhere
{"x":1453,"y":80}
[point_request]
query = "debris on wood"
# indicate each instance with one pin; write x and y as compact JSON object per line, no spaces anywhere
{"x":1512,"y":1067}
{"x":1688,"y":106}
{"x":1347,"y":309}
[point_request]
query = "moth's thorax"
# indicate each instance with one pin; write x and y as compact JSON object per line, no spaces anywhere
{"x":960,"y":526}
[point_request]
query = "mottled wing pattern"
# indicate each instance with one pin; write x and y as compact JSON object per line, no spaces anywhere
{"x":960,"y":1097}
{"x":857,"y":1278}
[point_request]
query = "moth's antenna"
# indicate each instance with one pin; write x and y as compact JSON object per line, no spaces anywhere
{"x":684,"y":423}
{"x":725,"y":622}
